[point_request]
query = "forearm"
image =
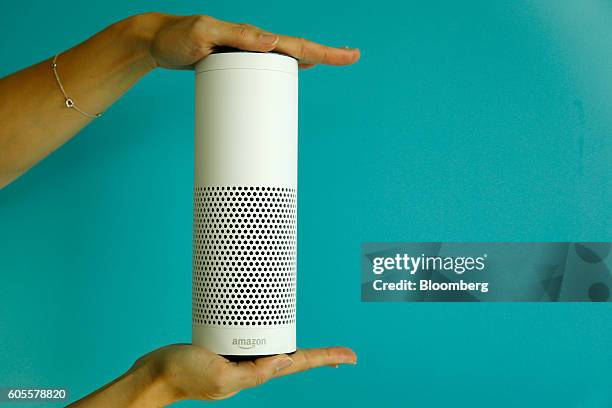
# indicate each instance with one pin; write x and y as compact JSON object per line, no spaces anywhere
{"x":140,"y":387}
{"x":34,"y":117}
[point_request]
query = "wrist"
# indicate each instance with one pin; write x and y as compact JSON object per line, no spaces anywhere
{"x":155,"y":389}
{"x":140,"y":31}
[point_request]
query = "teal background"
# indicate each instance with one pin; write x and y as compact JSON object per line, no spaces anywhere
{"x":464,"y":121}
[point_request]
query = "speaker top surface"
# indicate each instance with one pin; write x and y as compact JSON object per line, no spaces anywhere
{"x":247,"y":60}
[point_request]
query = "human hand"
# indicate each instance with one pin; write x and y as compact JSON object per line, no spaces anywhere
{"x":192,"y":372}
{"x":179,"y":42}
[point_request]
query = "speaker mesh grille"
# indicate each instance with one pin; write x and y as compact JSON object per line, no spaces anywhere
{"x":244,"y":256}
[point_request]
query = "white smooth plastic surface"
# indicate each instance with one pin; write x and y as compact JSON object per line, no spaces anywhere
{"x":248,"y":60}
{"x":246,"y":136}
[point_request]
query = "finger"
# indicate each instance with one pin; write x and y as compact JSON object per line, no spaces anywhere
{"x":306,"y":359}
{"x":247,"y":374}
{"x":307,"y":66}
{"x":308,"y":52}
{"x":243,"y":36}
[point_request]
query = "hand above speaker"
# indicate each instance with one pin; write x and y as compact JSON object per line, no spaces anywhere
{"x":179,"y":42}
{"x":37,"y":117}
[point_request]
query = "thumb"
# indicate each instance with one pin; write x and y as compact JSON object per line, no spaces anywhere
{"x":244,"y":37}
{"x":253,"y":373}
{"x":277,"y":363}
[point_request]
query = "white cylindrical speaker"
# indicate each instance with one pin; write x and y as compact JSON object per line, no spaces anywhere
{"x":245,"y":204}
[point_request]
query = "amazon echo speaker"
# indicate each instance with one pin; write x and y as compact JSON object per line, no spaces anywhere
{"x":245,"y":204}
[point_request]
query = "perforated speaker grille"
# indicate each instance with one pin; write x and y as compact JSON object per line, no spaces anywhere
{"x":244,"y":256}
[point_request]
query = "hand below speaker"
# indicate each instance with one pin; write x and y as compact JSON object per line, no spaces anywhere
{"x":185,"y":371}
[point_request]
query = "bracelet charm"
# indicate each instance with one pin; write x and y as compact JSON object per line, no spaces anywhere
{"x":69,"y":101}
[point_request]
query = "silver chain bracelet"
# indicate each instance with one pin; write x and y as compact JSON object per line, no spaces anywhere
{"x":69,"y":102}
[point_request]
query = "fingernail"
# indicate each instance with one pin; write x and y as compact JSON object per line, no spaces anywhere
{"x":346,"y":47}
{"x":268,"y":38}
{"x":282,"y":363}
